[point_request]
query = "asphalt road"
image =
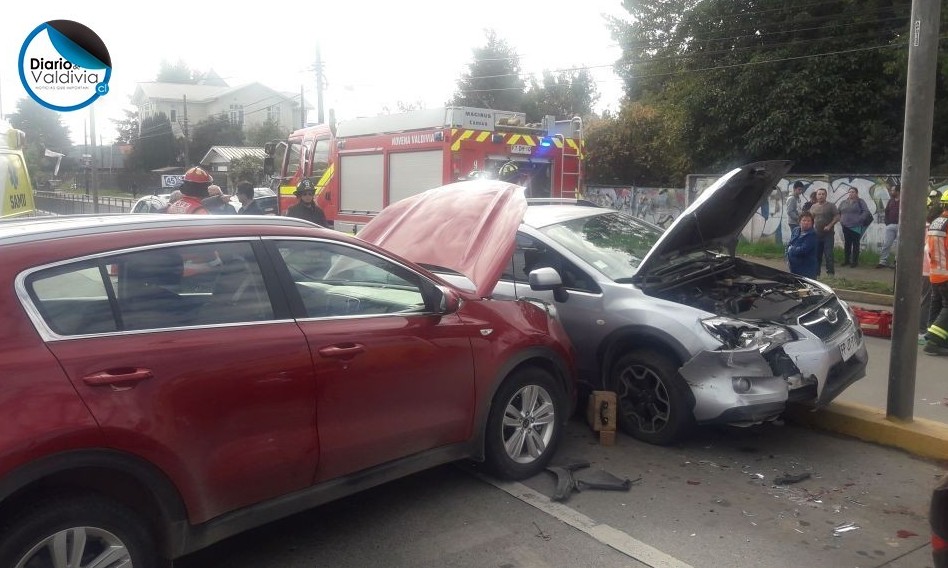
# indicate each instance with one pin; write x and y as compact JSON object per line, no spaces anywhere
{"x":713,"y":501}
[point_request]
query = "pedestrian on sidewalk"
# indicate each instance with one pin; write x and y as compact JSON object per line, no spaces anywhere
{"x":810,"y":202}
{"x":937,"y":243}
{"x":891,"y":227}
{"x":853,"y":214}
{"x":802,"y":248}
{"x":825,"y":217}
{"x":793,"y":205}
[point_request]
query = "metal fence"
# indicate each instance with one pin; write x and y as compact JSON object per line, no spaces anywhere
{"x":76,"y":203}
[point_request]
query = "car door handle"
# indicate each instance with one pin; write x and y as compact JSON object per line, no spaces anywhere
{"x":123,"y":377}
{"x":344,"y":351}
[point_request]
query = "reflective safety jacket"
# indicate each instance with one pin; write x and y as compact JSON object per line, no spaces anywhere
{"x":188,"y":204}
{"x":937,"y":243}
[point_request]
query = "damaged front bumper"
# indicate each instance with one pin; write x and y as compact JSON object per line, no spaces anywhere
{"x":745,"y":386}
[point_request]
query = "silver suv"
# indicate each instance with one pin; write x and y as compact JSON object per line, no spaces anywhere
{"x":683,"y":331}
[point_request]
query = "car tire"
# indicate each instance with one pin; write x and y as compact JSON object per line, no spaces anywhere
{"x":654,"y":404}
{"x":525,"y":424}
{"x":85,"y":527}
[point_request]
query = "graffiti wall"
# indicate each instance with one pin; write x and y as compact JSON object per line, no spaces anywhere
{"x":662,"y":205}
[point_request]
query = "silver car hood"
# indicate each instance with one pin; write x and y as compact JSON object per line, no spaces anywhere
{"x":714,"y":221}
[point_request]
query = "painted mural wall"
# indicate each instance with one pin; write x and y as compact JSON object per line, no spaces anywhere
{"x":662,"y":205}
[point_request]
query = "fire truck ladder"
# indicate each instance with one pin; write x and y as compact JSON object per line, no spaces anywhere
{"x":576,"y":125}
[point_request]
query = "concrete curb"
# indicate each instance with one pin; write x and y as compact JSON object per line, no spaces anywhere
{"x":921,"y":437}
{"x":865,"y":297}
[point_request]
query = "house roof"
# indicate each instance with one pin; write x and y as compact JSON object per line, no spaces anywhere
{"x":224,"y":154}
{"x":197,"y":93}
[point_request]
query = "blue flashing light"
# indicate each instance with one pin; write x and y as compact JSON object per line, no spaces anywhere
{"x":546,"y":142}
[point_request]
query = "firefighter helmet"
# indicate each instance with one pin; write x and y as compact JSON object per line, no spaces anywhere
{"x":196,"y":181}
{"x":944,"y":198}
{"x":508,"y":171}
{"x":198,"y":175}
{"x":305,"y":186}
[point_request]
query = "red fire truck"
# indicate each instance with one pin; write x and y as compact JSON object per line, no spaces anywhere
{"x":360,"y":166}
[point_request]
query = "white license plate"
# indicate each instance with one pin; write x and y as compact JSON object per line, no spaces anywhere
{"x":849,"y":346}
{"x":521,"y":149}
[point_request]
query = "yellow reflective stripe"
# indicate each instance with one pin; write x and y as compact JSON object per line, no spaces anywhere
{"x":514,"y":138}
{"x":287,"y":189}
{"x":324,"y":179}
{"x":939,"y":332}
{"x":558,"y":142}
{"x":464,"y":136}
{"x":482,"y":136}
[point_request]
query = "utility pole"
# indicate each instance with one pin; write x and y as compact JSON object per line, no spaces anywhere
{"x":302,"y":109}
{"x":187,"y":150}
{"x":95,"y":174}
{"x":319,"y":86}
{"x":916,"y":168}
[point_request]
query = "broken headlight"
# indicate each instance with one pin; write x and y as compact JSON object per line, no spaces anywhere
{"x":737,"y":334}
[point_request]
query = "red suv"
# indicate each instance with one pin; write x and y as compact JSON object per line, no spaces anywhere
{"x":169,"y":381}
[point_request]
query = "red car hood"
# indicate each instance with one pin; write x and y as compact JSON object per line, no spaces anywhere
{"x":469,"y":227}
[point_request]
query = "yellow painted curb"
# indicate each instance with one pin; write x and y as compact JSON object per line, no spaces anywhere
{"x":921,"y":437}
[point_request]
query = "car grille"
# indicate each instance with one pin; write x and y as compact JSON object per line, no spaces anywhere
{"x":820,"y":322}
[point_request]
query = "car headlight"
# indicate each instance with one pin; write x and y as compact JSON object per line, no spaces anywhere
{"x":737,"y":334}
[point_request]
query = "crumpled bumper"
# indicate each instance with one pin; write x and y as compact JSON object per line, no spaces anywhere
{"x":734,"y":386}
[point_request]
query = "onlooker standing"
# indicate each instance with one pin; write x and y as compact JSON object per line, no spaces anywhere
{"x":937,"y":244}
{"x":891,"y":227}
{"x":245,"y":196}
{"x":825,"y":217}
{"x":793,"y":206}
{"x":853,"y":212}
{"x":306,"y":207}
{"x":801,"y":250}
{"x":218,"y":202}
{"x":810,"y":202}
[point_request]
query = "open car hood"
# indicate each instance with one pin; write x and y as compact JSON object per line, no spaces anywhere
{"x":714,"y":221}
{"x":469,"y":227}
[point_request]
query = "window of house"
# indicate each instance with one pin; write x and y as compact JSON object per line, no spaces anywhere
{"x":273,"y":113}
{"x":236,"y":114}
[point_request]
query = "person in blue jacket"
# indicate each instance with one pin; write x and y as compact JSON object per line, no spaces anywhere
{"x":801,"y":250}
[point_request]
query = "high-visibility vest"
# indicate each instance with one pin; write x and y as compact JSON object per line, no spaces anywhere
{"x":188,"y":204}
{"x":937,"y":242}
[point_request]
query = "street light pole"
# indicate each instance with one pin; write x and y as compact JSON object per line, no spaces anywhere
{"x":916,"y":168}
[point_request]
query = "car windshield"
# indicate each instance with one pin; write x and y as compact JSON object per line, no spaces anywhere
{"x":614,"y":243}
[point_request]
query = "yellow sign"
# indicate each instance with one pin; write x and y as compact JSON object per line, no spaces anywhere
{"x":16,"y":191}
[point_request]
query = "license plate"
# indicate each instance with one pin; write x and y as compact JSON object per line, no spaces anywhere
{"x":849,"y":346}
{"x":521,"y":149}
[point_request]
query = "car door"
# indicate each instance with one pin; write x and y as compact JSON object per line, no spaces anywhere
{"x":394,"y":378}
{"x":184,"y":360}
{"x":581,"y":314}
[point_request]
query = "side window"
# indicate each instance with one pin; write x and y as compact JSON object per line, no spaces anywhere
{"x":320,"y":159}
{"x":293,"y":159}
{"x":154,"y":289}
{"x":531,"y":254}
{"x":336,"y":280}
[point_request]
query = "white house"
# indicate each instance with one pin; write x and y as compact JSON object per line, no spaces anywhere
{"x":249,"y":105}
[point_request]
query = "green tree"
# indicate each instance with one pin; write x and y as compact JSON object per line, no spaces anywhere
{"x":127,"y":127}
{"x":247,"y":168}
{"x":265,"y":132}
{"x":819,"y":83}
{"x":492,"y":79}
{"x":636,"y":147}
{"x":44,"y":130}
{"x":177,"y":73}
{"x":214,"y":131}
{"x":564,"y":95}
{"x":156,"y":147}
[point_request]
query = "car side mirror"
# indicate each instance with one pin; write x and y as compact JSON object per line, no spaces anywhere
{"x":450,"y":301}
{"x":547,"y":278}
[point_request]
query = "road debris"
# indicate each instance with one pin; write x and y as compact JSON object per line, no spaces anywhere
{"x":788,"y":478}
{"x":540,"y":533}
{"x":843,"y":528}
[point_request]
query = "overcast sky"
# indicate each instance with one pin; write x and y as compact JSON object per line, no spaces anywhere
{"x":375,"y":54}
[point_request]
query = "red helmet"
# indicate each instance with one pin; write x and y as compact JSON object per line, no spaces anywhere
{"x":197,"y":175}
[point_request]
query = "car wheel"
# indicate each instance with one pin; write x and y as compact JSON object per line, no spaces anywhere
{"x":525,"y":424}
{"x":77,"y":532}
{"x":653,"y":400}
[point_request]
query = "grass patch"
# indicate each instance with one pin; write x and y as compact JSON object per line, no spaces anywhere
{"x":843,"y":283}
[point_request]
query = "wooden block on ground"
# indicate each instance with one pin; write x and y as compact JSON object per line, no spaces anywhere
{"x":601,"y":411}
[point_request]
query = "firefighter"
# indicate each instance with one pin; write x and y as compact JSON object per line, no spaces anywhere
{"x":193,"y":190}
{"x":306,"y":207}
{"x":937,"y":243}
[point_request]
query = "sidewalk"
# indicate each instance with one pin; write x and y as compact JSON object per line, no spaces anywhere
{"x":860,"y":411}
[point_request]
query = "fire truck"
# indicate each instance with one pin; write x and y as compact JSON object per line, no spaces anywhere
{"x":360,"y":166}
